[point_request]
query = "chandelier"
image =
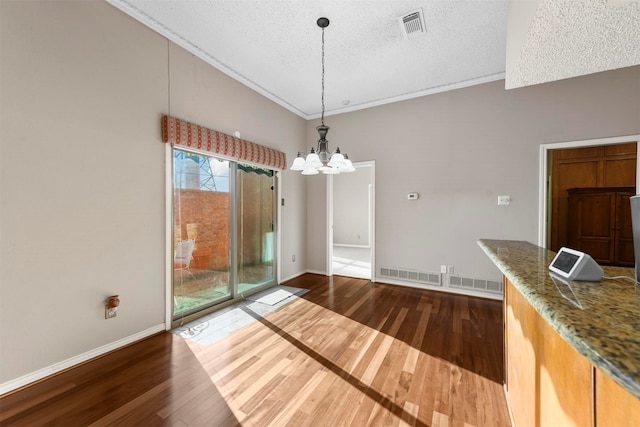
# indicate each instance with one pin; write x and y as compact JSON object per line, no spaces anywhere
{"x":321,"y":159}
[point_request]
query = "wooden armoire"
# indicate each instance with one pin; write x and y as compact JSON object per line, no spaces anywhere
{"x":600,"y":224}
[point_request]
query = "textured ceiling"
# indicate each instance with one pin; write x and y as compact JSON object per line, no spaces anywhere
{"x":274,"y":46}
{"x":568,"y":38}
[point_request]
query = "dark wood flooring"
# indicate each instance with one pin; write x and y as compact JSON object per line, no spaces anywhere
{"x":348,"y":352}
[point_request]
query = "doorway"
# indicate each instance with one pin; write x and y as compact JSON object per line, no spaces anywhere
{"x":223,"y":232}
{"x":548,"y":207}
{"x":351,"y":222}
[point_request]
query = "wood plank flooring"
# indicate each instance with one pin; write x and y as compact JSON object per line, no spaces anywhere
{"x":347,"y":353}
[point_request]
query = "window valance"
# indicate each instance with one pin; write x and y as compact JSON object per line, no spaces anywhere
{"x":181,"y":132}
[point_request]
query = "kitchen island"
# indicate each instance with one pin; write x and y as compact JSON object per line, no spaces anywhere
{"x":572,"y":349}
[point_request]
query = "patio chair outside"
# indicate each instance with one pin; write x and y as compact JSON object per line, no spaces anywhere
{"x":182,"y":256}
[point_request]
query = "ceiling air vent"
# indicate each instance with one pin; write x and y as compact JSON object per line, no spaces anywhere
{"x":412,"y":24}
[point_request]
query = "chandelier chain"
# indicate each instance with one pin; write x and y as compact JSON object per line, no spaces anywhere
{"x":322,"y":159}
{"x":322,"y":117}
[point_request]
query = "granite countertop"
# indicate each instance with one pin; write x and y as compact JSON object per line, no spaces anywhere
{"x":601,"y":320}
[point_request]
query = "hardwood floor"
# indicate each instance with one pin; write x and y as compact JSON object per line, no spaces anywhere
{"x":348,"y":352}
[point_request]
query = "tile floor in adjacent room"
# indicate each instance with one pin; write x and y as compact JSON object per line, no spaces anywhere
{"x":352,"y":262}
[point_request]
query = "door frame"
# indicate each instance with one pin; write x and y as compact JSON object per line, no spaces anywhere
{"x":543,"y":185}
{"x":372,"y":218}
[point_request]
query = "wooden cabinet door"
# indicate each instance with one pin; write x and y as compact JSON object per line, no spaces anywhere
{"x":548,"y":381}
{"x":520,"y":358}
{"x":615,"y":407}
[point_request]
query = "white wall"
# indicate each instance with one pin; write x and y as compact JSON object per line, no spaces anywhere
{"x":351,"y":207}
{"x":82,"y":174}
{"x":460,"y":150}
{"x":316,"y":233}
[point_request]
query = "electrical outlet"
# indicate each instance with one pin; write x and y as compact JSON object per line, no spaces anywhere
{"x":293,"y":258}
{"x":443,"y":269}
{"x":109,"y":312}
{"x":450,"y":269}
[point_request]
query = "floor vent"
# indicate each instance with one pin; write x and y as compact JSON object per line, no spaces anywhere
{"x":411,"y":276}
{"x":490,"y":286}
{"x":412,"y":24}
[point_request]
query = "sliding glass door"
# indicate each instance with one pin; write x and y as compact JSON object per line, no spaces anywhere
{"x":201,"y":232}
{"x":256,"y":227}
{"x":223,"y":231}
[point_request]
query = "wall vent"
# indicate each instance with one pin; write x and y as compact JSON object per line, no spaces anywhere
{"x":482,"y":285}
{"x":412,"y":24}
{"x":494,"y":286}
{"x":411,"y":276}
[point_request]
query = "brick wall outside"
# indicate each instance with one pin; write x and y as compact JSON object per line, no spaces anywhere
{"x":204,"y":217}
{"x":206,"y":213}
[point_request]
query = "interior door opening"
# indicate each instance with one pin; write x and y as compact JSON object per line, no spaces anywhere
{"x":352,"y":241}
{"x":580,"y":164}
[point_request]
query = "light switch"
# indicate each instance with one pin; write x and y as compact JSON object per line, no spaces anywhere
{"x":504,"y":200}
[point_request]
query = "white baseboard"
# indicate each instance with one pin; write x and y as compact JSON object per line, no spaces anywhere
{"x":346,"y":245}
{"x":322,"y":273}
{"x":292,"y":277}
{"x":76,"y":360}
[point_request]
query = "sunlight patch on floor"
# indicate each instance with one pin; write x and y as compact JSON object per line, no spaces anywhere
{"x":305,"y":340}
